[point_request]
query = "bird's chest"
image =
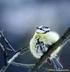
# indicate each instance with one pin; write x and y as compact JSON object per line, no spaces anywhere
{"x":41,"y":45}
{"x":43,"y":38}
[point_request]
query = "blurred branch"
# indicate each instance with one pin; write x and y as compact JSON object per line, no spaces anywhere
{"x":13,"y":58}
{"x":61,"y":41}
{"x":10,"y":48}
{"x":22,"y":65}
{"x":10,"y":61}
{"x":25,"y":52}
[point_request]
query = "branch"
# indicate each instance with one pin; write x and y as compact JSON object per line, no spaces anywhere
{"x":52,"y":48}
{"x":9,"y":62}
{"x":10,"y":48}
{"x":13,"y":58}
{"x":22,"y":65}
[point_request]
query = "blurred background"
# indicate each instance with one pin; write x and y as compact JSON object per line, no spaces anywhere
{"x":19,"y":18}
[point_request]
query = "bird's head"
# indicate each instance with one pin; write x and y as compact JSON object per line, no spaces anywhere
{"x":42,"y":29}
{"x":47,"y":34}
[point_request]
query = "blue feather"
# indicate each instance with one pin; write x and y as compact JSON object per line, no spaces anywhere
{"x":56,"y":63}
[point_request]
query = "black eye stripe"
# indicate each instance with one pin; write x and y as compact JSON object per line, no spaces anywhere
{"x":39,"y":28}
{"x":42,"y":27}
{"x":46,"y":27}
{"x":46,"y":31}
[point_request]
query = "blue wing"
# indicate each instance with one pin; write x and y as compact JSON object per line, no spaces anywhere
{"x":56,"y":63}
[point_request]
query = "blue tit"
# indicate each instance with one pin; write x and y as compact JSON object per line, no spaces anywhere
{"x":40,"y":42}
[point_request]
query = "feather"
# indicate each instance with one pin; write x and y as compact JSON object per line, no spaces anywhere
{"x":56,"y":63}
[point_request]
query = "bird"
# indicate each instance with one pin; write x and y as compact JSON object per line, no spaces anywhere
{"x":40,"y":42}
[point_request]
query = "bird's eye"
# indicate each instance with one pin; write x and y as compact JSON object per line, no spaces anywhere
{"x":39,"y":28}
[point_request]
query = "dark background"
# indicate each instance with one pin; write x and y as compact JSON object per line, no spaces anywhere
{"x":19,"y":18}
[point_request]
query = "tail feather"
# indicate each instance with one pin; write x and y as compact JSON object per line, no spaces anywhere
{"x":56,"y":64}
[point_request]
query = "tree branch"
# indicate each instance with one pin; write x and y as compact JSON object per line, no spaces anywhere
{"x":61,"y":41}
{"x":10,"y":61}
{"x":22,"y":65}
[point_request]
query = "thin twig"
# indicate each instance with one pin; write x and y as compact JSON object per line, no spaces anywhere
{"x":51,"y":49}
{"x":25,"y":52}
{"x":22,"y":65}
{"x":6,"y":41}
{"x":13,"y":58}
